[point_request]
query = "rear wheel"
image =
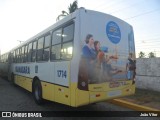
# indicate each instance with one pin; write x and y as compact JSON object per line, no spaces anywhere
{"x":37,"y":92}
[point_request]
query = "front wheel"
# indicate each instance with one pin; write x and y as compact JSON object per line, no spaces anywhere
{"x":37,"y":92}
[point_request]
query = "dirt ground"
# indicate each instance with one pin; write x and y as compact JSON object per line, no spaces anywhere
{"x":146,"y":98}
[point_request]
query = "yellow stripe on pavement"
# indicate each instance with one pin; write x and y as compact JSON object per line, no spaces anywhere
{"x":132,"y":105}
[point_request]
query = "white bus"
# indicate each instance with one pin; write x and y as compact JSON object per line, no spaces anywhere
{"x":62,"y":63}
{"x":4,"y":65}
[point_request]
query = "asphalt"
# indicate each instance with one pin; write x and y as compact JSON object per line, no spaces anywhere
{"x":146,"y":98}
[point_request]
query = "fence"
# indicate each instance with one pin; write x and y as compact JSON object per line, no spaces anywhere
{"x":148,"y":73}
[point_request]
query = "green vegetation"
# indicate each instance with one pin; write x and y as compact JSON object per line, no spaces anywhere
{"x":71,"y":8}
{"x":143,"y":55}
{"x":151,"y":55}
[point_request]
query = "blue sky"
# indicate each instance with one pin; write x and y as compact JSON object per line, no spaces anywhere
{"x":21,"y":19}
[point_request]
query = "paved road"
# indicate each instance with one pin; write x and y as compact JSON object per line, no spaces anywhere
{"x":17,"y":99}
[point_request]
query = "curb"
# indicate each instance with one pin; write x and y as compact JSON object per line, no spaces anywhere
{"x":132,"y":105}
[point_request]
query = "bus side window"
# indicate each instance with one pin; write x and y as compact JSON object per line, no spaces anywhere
{"x":67,"y":50}
{"x":40,"y":49}
{"x":67,"y":45}
{"x":56,"y":45}
{"x":25,"y":54}
{"x":7,"y":57}
{"x":22,"y":54}
{"x":34,"y":51}
{"x":47,"y":41}
{"x":4,"y":57}
{"x":0,"y":58}
{"x":14,"y":54}
{"x":11,"y":57}
{"x":29,"y":52}
{"x":17,"y":55}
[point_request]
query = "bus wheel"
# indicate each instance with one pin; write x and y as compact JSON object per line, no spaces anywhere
{"x":37,"y":92}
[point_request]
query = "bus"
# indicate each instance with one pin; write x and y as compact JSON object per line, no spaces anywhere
{"x":62,"y":63}
{"x":4,"y":65}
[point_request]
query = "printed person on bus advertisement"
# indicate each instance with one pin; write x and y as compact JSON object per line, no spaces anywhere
{"x":95,"y":64}
{"x":105,"y":72}
{"x":131,"y":67}
{"x":87,"y":63}
{"x":99,"y":60}
{"x":88,"y":52}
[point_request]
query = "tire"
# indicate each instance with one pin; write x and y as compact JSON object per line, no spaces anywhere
{"x":37,"y":92}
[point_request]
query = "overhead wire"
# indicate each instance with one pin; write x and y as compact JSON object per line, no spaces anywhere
{"x":148,"y":12}
{"x":132,"y":5}
{"x":141,"y":42}
{"x":142,"y":14}
{"x":147,"y":42}
{"x":148,"y":39}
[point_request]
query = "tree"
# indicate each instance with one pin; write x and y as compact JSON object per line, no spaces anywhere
{"x":151,"y":55}
{"x":142,"y":55}
{"x":71,"y":8}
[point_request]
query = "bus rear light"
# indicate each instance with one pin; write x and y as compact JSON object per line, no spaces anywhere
{"x":128,"y":90}
{"x":98,"y":95}
{"x":66,"y":96}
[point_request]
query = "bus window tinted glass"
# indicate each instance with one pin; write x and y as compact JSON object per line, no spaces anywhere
{"x":34,"y":51}
{"x":68,"y":33}
{"x":40,"y":43}
{"x":46,"y":47}
{"x":22,"y":56}
{"x":40,"y":49}
{"x":17,"y":55}
{"x":56,"y":37}
{"x":55,"y":52}
{"x":46,"y":54}
{"x":25,"y":55}
{"x":29,"y":52}
{"x":67,"y":50}
{"x":47,"y":41}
